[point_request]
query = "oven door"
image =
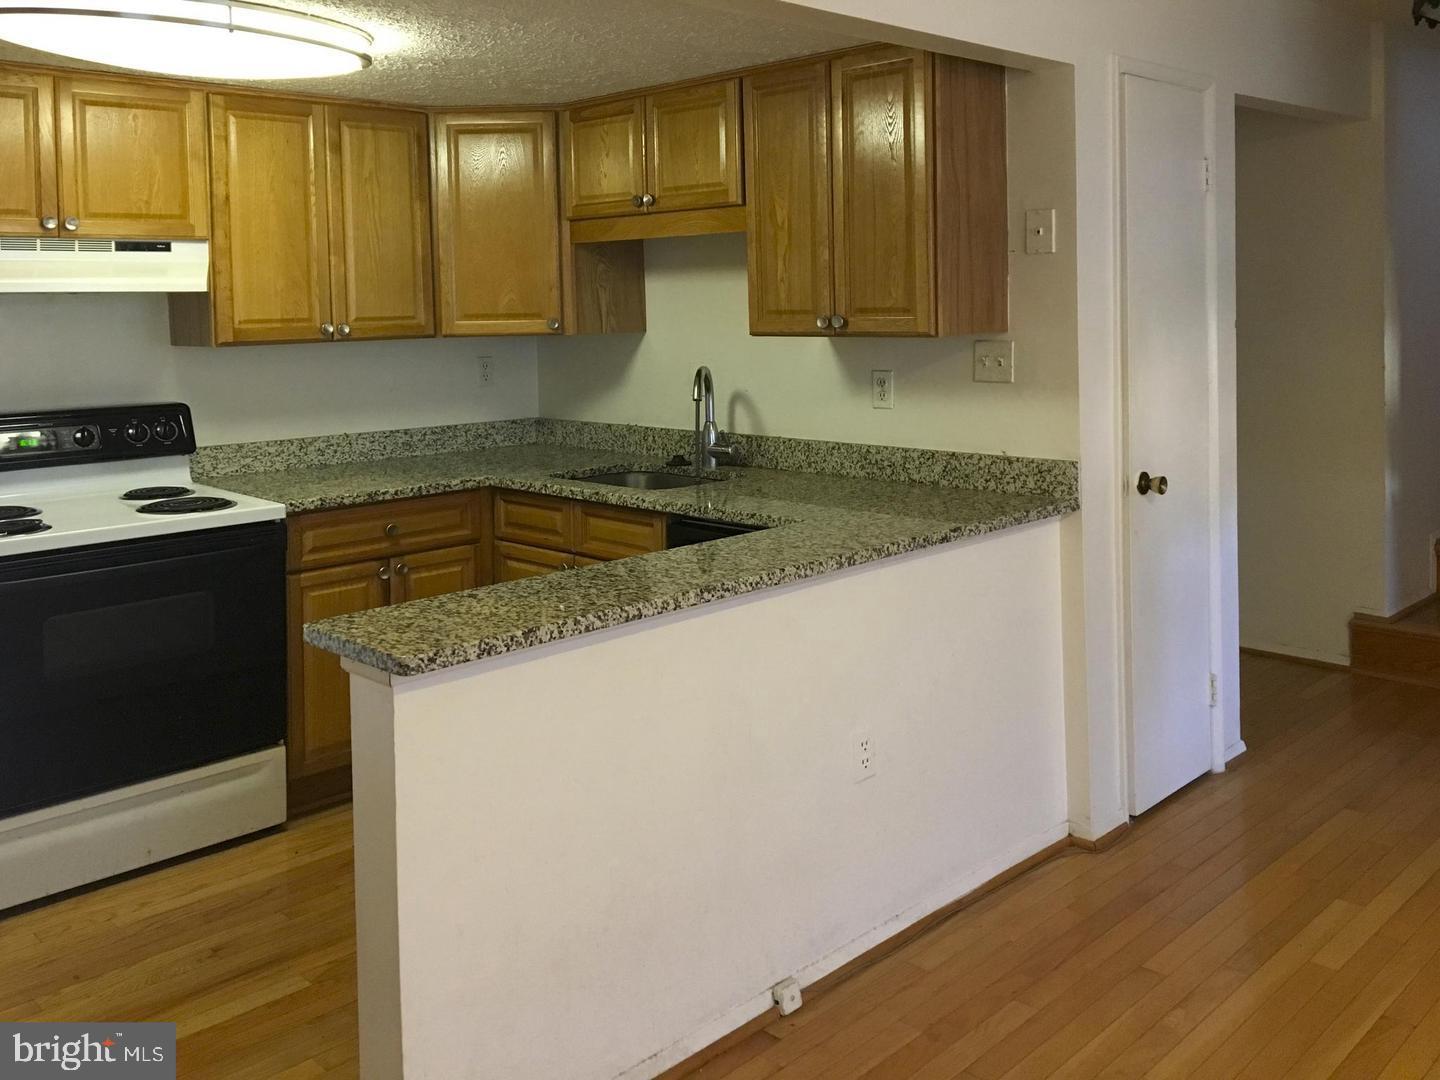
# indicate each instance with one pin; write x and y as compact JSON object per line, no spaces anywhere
{"x":125,"y":662}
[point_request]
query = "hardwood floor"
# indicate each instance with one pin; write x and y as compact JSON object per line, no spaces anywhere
{"x":1281,"y":920}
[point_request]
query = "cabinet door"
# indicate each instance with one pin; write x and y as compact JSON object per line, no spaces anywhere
{"x":132,"y":159}
{"x":379,"y":170}
{"x":270,"y":261}
{"x":882,"y":192}
{"x":692,"y":147}
{"x":319,"y":729}
{"x":613,"y":532}
{"x":538,"y":520}
{"x":28,"y":190}
{"x":787,"y":209}
{"x":433,"y":573}
{"x":497,"y":225}
{"x":516,"y":561}
{"x":604,"y":153}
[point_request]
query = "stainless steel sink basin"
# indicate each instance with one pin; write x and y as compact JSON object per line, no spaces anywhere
{"x":650,"y":481}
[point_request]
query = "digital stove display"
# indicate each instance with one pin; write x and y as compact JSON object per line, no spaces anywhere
{"x":23,"y":442}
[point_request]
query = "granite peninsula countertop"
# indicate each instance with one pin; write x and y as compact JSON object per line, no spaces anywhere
{"x":816,"y":523}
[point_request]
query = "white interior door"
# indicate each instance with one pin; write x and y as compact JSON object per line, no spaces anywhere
{"x":1167,"y":343}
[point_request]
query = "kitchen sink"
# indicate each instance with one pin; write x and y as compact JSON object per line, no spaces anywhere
{"x":650,"y":481}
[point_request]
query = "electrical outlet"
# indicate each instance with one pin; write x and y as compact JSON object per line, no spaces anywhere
{"x":995,"y":361}
{"x":487,"y":371}
{"x":862,"y":746}
{"x":786,"y":995}
{"x":882,"y":389}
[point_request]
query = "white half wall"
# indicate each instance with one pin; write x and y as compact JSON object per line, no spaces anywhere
{"x":59,"y":350}
{"x":1310,"y":383}
{"x":819,"y":388}
{"x":608,"y":850}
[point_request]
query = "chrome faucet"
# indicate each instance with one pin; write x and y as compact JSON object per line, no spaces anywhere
{"x":708,"y":452}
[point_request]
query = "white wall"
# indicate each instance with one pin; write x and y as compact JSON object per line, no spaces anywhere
{"x":99,"y":349}
{"x":696,"y":296}
{"x":593,"y":877}
{"x":1297,"y":52}
{"x":1310,"y":277}
{"x":1412,"y":80}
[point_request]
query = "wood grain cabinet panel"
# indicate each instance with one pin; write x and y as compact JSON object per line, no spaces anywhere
{"x":692,"y":147}
{"x":516,"y":561}
{"x":603,"y":148}
{"x":270,"y":261}
{"x":330,"y":537}
{"x":28,"y":185}
{"x":132,"y":159}
{"x":787,"y":169}
{"x":882,"y":185}
{"x":318,"y":737}
{"x":497,"y":224}
{"x":613,"y":532}
{"x":433,"y":573}
{"x":538,"y":520}
{"x":379,"y":207}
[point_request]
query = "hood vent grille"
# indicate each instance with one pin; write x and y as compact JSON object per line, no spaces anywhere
{"x":56,"y":245}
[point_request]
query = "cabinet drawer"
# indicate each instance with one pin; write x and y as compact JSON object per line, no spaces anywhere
{"x":331,"y":537}
{"x":516,"y":561}
{"x":610,"y":532}
{"x":541,"y":520}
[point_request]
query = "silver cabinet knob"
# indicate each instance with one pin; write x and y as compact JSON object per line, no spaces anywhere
{"x":49,"y":222}
{"x":327,"y":329}
{"x":637,"y":201}
{"x":553,"y":324}
{"x":837,"y":321}
{"x":647,"y":199}
{"x":822,"y":322}
{"x":384,"y":574}
{"x":72,"y":223}
{"x":343,"y":329}
{"x":392,"y":530}
{"x":401,"y":569}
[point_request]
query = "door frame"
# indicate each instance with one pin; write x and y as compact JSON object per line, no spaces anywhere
{"x":1123,"y":66}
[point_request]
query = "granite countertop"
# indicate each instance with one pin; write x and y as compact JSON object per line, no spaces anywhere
{"x":817,"y":523}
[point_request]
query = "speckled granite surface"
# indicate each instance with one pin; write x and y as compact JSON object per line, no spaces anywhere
{"x":817,"y":524}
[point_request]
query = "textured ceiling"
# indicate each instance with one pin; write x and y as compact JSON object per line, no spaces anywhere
{"x":503,"y":52}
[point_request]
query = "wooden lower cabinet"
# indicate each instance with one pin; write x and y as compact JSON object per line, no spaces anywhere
{"x":433,"y":573}
{"x":318,"y":736}
{"x":516,"y":561}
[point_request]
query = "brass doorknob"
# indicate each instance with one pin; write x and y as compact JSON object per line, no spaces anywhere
{"x":1147,"y":484}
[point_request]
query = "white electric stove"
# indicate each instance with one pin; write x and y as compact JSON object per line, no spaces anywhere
{"x":142,"y":686}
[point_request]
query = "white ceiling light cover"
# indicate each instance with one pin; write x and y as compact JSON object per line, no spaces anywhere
{"x":211,"y":39}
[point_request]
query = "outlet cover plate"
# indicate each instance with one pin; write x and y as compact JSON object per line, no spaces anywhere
{"x":882,"y":389}
{"x":1039,"y":232}
{"x":995,"y":361}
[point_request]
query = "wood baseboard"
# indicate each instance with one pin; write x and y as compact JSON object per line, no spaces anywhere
{"x":903,"y":937}
{"x":1270,"y":654}
{"x":1397,"y":648}
{"x":307,"y":794}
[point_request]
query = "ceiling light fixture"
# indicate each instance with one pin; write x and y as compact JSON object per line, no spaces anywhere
{"x":210,"y":39}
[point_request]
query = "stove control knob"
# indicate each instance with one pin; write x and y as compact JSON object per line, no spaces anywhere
{"x":167,"y":431}
{"x":137,"y":433}
{"x":84,"y":437}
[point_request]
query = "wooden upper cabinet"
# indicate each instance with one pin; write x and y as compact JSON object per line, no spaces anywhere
{"x":604,"y":152}
{"x":692,"y":147}
{"x":497,"y":223}
{"x":132,"y":159}
{"x":379,"y":206}
{"x":883,"y":192}
{"x":270,"y":261}
{"x":28,"y":191}
{"x":787,"y":182}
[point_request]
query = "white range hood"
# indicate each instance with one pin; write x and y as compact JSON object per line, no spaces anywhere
{"x":58,"y":265}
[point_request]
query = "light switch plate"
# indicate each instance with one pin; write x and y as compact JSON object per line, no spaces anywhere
{"x":882,"y":389}
{"x":1039,"y":232}
{"x":995,"y":361}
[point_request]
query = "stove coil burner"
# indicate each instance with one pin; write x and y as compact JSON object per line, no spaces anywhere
{"x":21,"y":527}
{"x":146,"y":494}
{"x":10,"y":513}
{"x":197,"y":504}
